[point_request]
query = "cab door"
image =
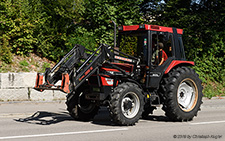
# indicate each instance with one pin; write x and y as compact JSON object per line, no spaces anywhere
{"x":161,"y":55}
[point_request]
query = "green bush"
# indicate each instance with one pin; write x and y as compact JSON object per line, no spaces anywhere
{"x":82,"y":37}
{"x":24,"y":63}
{"x":5,"y":52}
{"x":44,"y":66}
{"x":16,"y":26}
{"x":212,"y":89}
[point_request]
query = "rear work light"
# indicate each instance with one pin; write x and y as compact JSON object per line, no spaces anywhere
{"x":120,"y":28}
{"x":142,"y":26}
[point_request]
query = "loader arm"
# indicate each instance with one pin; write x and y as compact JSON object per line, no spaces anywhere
{"x":72,"y":72}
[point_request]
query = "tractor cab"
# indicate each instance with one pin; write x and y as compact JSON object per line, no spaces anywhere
{"x":156,"y":46}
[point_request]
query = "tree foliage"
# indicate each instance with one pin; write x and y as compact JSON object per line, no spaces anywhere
{"x":98,"y":14}
{"x":50,"y":28}
{"x":39,"y":26}
{"x":15,"y":28}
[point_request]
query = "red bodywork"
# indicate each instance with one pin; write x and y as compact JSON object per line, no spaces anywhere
{"x":177,"y":62}
{"x":150,"y":27}
{"x":107,"y":79}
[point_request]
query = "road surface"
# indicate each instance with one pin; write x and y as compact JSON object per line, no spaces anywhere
{"x":27,"y":121}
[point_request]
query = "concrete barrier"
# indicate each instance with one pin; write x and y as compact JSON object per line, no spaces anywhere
{"x":19,"y":87}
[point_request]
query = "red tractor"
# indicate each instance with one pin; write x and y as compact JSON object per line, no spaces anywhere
{"x":130,"y":84}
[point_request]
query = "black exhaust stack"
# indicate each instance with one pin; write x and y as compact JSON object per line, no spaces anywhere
{"x":114,"y":33}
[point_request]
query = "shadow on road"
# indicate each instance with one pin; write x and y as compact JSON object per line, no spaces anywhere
{"x":45,"y":118}
{"x":103,"y":118}
{"x":48,"y":118}
{"x":157,"y":118}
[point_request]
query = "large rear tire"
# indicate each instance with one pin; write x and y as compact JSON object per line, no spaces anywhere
{"x":126,"y":104}
{"x":80,"y":108}
{"x":182,"y":94}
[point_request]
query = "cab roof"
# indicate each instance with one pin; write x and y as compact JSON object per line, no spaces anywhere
{"x":142,"y":27}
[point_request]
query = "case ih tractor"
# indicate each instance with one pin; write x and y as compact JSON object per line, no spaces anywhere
{"x":130,"y":84}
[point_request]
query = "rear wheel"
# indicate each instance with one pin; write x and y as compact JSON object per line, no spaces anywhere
{"x":182,"y":94}
{"x":126,"y":104}
{"x":81,"y":108}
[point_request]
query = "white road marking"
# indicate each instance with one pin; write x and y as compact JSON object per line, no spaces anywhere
{"x":7,"y":115}
{"x":210,"y":122}
{"x":65,"y":133}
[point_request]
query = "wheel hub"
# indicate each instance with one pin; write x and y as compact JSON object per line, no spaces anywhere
{"x":182,"y":94}
{"x":130,"y":105}
{"x":186,"y":95}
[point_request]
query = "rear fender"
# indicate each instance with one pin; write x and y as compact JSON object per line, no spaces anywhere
{"x":176,"y":63}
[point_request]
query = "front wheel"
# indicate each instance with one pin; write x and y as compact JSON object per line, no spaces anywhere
{"x":81,"y":108}
{"x":182,"y":94}
{"x":126,"y":104}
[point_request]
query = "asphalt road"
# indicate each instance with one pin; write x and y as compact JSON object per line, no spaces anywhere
{"x":50,"y":121}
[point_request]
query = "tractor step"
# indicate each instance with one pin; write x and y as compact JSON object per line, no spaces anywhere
{"x":95,"y":96}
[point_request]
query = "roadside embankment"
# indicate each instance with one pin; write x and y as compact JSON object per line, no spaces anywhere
{"x":19,"y":87}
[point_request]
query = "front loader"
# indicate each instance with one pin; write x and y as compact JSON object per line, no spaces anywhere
{"x":130,"y":84}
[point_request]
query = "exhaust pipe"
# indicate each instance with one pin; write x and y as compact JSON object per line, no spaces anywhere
{"x":114,"y":33}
